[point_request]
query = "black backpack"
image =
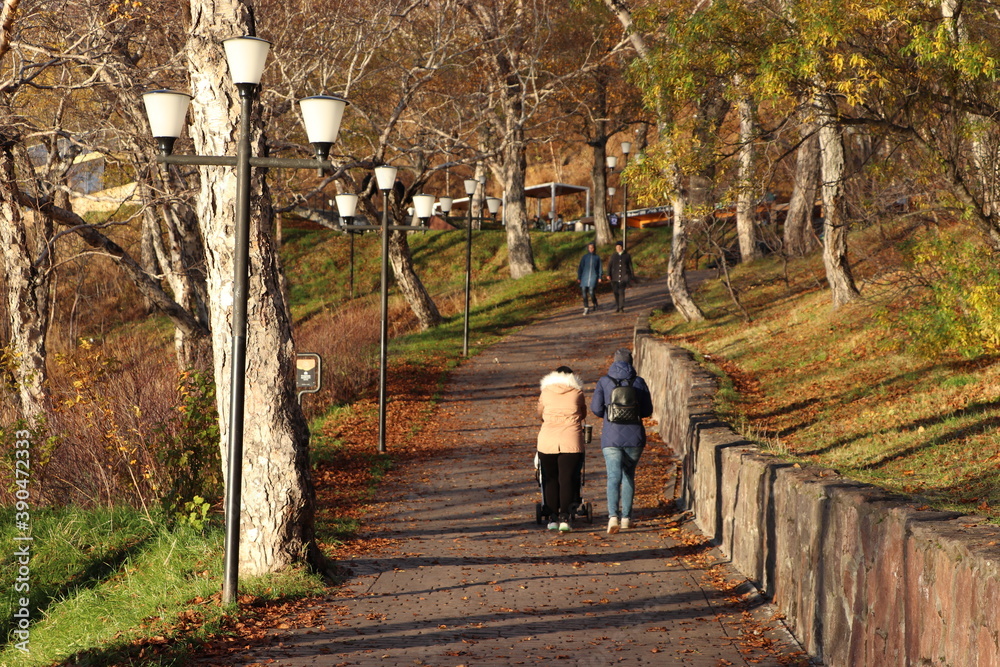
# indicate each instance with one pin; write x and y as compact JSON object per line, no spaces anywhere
{"x":623,"y":406}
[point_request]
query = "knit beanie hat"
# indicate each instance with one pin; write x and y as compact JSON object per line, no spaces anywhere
{"x":623,"y":354}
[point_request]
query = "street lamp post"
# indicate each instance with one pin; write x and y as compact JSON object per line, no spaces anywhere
{"x":386,"y":177}
{"x":166,"y":110}
{"x":347,"y":206}
{"x":626,"y":148}
{"x":470,"y":189}
{"x":610,"y":161}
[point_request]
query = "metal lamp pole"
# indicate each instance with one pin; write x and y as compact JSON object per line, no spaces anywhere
{"x":347,"y":206}
{"x":386,"y":177}
{"x":470,"y":189}
{"x":626,"y":147}
{"x":166,"y":111}
{"x":610,"y":161}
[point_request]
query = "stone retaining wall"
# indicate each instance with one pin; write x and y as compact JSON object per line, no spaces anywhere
{"x":863,"y":576}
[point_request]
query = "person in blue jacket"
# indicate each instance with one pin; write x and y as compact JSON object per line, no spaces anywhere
{"x":621,"y":444}
{"x":589,"y":274}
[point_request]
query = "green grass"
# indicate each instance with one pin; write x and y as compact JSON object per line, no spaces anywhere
{"x":102,"y":578}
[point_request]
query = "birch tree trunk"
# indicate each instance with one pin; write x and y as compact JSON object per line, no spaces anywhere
{"x":179,"y":260}
{"x":835,"y":223}
{"x":676,"y":281}
{"x":27,"y":290}
{"x":278,"y":499}
{"x":798,"y":235}
{"x":520,"y":257}
{"x":409,"y":283}
{"x":676,"y":278}
{"x":745,"y":215}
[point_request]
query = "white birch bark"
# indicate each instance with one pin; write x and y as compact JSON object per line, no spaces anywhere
{"x":746,"y":229}
{"x":835,"y":223}
{"x":27,"y":291}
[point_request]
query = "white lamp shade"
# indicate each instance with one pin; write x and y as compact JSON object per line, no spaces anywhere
{"x":166,"y":110}
{"x":347,"y":205}
{"x":424,"y":204}
{"x":493,"y":204}
{"x":386,"y":176}
{"x":470,"y":186}
{"x":611,"y":161}
{"x":445,"y":203}
{"x":246,"y":57}
{"x":611,"y":191}
{"x":626,"y":147}
{"x":322,"y":115}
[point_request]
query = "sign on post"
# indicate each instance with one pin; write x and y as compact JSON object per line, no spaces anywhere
{"x":308,"y":373}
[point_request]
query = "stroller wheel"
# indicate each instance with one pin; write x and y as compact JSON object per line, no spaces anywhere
{"x":538,"y":513}
{"x":589,"y":512}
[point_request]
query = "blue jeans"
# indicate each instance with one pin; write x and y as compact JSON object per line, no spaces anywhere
{"x":620,"y":463}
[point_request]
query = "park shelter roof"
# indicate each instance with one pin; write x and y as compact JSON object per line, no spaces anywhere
{"x":544,"y":190}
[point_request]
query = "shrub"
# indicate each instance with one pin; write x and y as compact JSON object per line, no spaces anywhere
{"x":187,"y":451}
{"x":953,"y":304}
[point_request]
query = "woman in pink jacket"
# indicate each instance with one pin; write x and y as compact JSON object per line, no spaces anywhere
{"x":560,"y":442}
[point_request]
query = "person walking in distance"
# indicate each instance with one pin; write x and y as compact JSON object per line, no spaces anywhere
{"x":620,"y":274}
{"x":560,"y":443}
{"x":623,"y":400}
{"x":589,"y":274}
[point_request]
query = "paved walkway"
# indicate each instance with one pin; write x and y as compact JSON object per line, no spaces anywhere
{"x":470,"y":579}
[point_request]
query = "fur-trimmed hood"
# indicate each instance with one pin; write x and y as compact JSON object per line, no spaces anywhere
{"x":568,"y":379}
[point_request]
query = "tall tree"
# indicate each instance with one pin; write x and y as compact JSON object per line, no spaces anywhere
{"x":668,"y":165}
{"x":746,"y":213}
{"x":278,"y":498}
{"x":798,"y":236}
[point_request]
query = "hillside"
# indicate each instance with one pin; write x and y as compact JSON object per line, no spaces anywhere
{"x":900,"y":388}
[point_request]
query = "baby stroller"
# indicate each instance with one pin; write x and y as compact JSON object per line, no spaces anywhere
{"x":579,"y":509}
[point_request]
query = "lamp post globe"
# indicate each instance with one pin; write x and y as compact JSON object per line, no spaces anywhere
{"x":166,"y":111}
{"x":322,"y":115}
{"x":445,"y":203}
{"x":385,"y":176}
{"x":246,"y":57}
{"x":423,"y":206}
{"x":347,"y":205}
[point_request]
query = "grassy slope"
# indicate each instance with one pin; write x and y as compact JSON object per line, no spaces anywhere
{"x":837,"y":389}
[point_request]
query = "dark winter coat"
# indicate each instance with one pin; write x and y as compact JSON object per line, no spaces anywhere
{"x":620,"y":268}
{"x":589,"y":273}
{"x":621,"y":435}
